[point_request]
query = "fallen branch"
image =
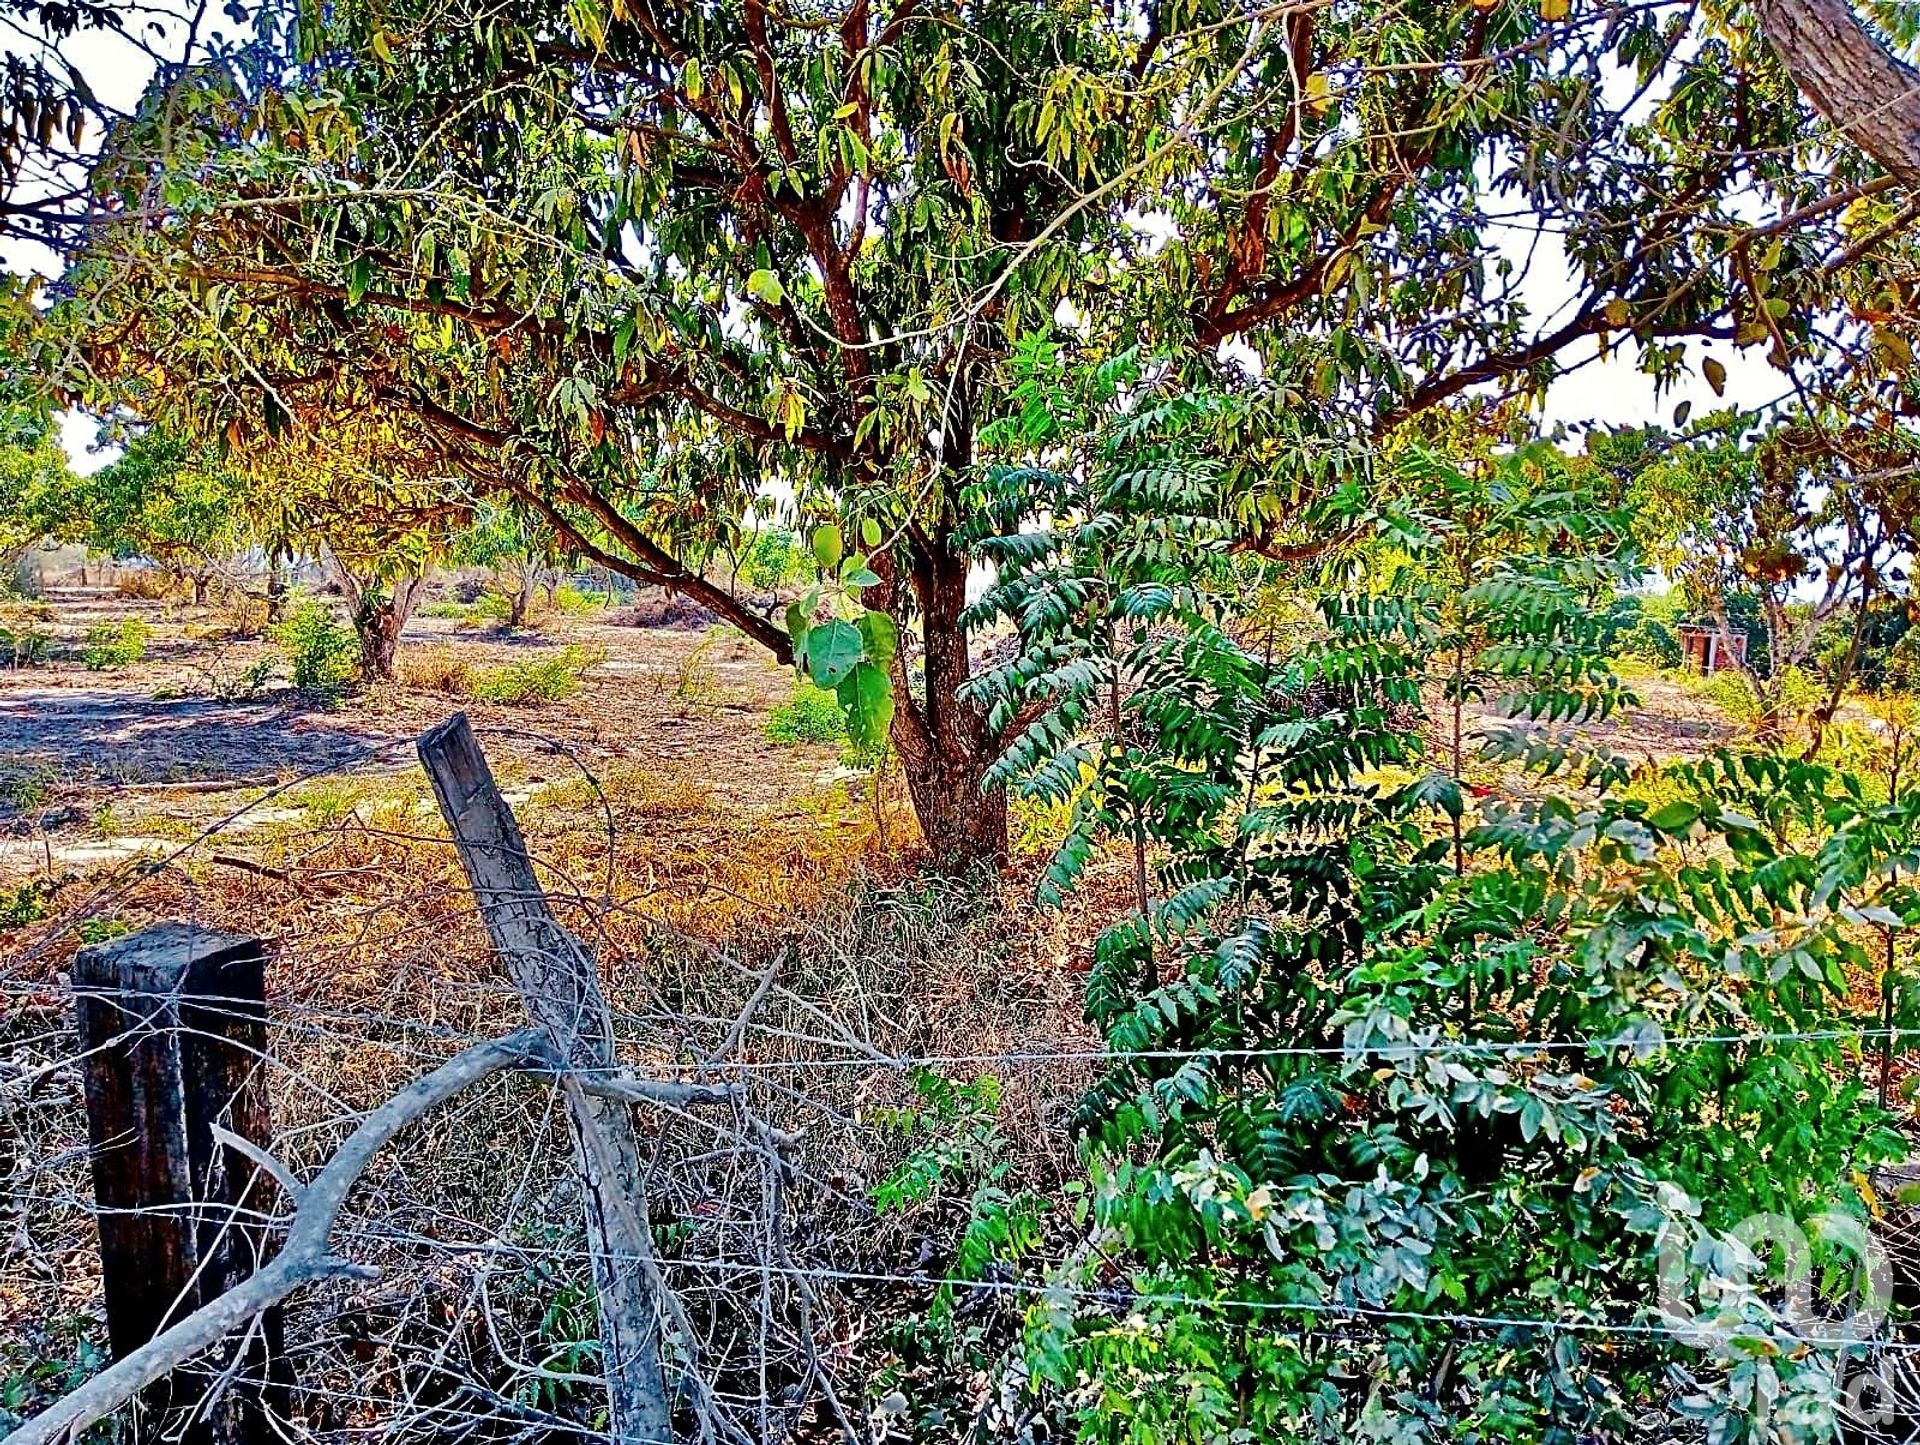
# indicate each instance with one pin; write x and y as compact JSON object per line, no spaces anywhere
{"x":306,"y":1257}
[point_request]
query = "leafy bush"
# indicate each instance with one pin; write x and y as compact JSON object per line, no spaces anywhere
{"x":492,"y":605}
{"x":321,"y":652}
{"x":112,"y":645}
{"x":1392,"y":1069}
{"x":812,"y":715}
{"x":24,"y":904}
{"x":1652,"y":641}
{"x":547,"y":679}
{"x":1800,"y":693}
{"x":25,"y":637}
{"x":574,"y":601}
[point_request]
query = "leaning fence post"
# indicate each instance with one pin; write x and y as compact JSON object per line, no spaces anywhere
{"x":172,"y":1024}
{"x":559,"y":984}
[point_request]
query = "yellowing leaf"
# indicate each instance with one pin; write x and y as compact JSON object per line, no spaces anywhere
{"x":1551,"y":10}
{"x":1319,"y":92}
{"x":1618,"y":312}
{"x":1867,"y":1194}
{"x":1716,"y":375}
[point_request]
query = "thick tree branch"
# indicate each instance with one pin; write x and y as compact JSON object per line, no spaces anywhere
{"x":1851,"y":78}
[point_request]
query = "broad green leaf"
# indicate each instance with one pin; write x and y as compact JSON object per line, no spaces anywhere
{"x":881,"y":638}
{"x":763,"y":285}
{"x":798,"y":625}
{"x":1675,"y":817}
{"x":867,"y":697}
{"x":833,"y":650}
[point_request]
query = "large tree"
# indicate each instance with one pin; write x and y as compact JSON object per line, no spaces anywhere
{"x":643,"y":265}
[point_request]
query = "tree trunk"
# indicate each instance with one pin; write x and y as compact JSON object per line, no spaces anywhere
{"x":962,"y":825}
{"x":377,"y":625}
{"x":378,"y":621}
{"x":276,"y":587}
{"x":200,"y":589}
{"x":944,"y":745}
{"x":1853,"y":80}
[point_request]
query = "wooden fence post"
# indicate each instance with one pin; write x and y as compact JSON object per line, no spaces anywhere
{"x":173,"y":1028}
{"x":559,"y":983}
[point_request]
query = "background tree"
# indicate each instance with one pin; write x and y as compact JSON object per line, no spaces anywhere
{"x":171,"y":501}
{"x":519,"y":550}
{"x":1813,"y":520}
{"x":639,"y":267}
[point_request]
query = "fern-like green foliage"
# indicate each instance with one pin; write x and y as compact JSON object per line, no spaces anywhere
{"x":1395,"y":1066}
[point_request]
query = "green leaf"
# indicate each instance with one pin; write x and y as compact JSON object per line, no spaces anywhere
{"x":882,"y":639}
{"x":799,"y":623}
{"x":833,"y":650}
{"x":856,"y":573}
{"x":827,"y":546}
{"x":867,"y":697}
{"x":763,"y":285}
{"x":1675,"y":817}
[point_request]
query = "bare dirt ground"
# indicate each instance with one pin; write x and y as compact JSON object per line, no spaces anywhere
{"x":97,"y":765}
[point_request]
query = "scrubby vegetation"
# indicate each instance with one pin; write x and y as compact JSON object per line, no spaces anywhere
{"x":1193,"y":825}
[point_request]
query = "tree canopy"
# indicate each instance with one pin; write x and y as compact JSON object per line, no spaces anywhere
{"x":647,"y":268}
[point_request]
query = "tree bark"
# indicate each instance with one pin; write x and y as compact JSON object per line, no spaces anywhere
{"x":943,"y":741}
{"x":276,"y":587}
{"x":1851,"y":78}
{"x":377,"y":626}
{"x":378,"y":622}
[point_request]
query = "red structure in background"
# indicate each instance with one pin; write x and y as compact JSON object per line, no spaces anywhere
{"x":1704,"y":649}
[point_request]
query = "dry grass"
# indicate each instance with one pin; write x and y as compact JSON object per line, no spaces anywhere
{"x":381,"y":968}
{"x":435,"y":668}
{"x":696,"y":856}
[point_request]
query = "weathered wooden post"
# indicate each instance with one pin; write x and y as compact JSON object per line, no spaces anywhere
{"x":173,"y":1028}
{"x":559,"y":983}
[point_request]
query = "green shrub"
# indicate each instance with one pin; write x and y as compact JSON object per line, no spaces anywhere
{"x":573,"y":600}
{"x":491,"y":606}
{"x":24,"y":636}
{"x":546,"y":679}
{"x":1652,"y":641}
{"x":1800,"y":693}
{"x":25,"y":904}
{"x":813,"y":715}
{"x":113,"y":645}
{"x":322,"y":655}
